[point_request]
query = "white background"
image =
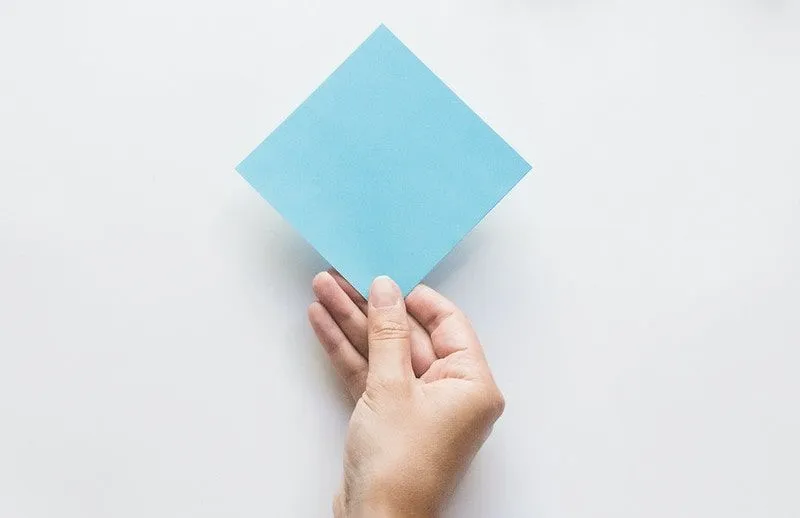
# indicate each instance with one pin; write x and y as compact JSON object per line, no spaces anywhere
{"x":638,"y":294}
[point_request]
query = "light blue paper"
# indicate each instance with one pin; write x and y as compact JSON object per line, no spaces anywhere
{"x":383,"y":169}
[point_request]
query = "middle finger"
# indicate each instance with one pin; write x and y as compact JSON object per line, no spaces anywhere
{"x":347,"y":315}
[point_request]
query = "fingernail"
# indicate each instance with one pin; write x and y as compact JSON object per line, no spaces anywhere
{"x":384,"y":292}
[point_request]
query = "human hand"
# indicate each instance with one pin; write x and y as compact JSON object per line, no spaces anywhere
{"x":425,"y":397}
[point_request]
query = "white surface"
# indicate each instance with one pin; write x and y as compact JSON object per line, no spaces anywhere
{"x":638,"y":295}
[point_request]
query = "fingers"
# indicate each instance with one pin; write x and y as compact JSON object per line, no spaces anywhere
{"x":422,"y":355}
{"x":450,"y":330}
{"x":388,"y":332}
{"x":349,"y":364}
{"x":430,"y":308}
{"x":454,"y":342}
{"x":350,"y":318}
{"x":351,"y":292}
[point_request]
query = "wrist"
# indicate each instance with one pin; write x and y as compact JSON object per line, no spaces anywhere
{"x":385,"y":505}
{"x":389,"y":511}
{"x":381,"y":510}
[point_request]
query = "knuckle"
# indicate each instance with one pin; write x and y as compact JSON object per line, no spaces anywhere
{"x":498,"y":403}
{"x":389,"y":330}
{"x":347,"y":314}
{"x":354,"y":315}
{"x":494,"y":403}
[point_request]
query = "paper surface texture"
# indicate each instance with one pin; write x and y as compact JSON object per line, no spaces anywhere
{"x":383,"y":169}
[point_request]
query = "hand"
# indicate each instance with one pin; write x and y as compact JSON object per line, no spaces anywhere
{"x":425,"y":397}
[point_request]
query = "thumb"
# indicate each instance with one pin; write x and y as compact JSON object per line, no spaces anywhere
{"x":388,"y":332}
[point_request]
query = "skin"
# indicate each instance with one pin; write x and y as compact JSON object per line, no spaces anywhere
{"x":425,"y":399}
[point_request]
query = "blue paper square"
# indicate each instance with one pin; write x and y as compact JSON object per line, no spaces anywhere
{"x":383,"y":169}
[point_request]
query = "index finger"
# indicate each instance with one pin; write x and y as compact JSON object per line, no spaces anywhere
{"x":449,"y":328}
